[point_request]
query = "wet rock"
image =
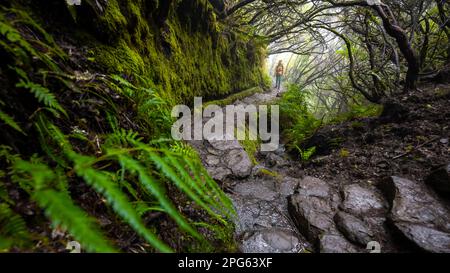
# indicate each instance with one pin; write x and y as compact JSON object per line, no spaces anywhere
{"x":288,"y":186}
{"x":219,"y":173}
{"x":312,"y":186}
{"x":439,"y":180}
{"x":359,"y":200}
{"x":213,"y":151}
{"x":271,"y":241}
{"x":417,"y":214}
{"x":223,"y":145}
{"x":310,"y":208}
{"x":262,"y":189}
{"x":254,"y":213}
{"x":335,"y":243}
{"x":312,"y":215}
{"x":239,"y":163}
{"x":212,"y":160}
{"x":353,"y":228}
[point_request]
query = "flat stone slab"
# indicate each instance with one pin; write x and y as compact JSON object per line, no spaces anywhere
{"x":254,"y":213}
{"x":259,"y":188}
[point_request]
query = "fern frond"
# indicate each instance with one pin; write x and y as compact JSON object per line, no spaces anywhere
{"x":62,"y":211}
{"x":158,"y":191}
{"x":13,"y":229}
{"x":42,"y":94}
{"x":102,"y":183}
{"x":59,"y":207}
{"x":203,"y":177}
{"x":184,"y":149}
{"x":171,"y":174}
{"x":7,"y":119}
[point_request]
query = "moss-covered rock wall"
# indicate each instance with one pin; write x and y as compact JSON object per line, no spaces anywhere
{"x":85,"y":99}
{"x":179,"y":46}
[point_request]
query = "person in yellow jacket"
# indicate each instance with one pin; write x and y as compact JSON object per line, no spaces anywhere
{"x":279,"y":72}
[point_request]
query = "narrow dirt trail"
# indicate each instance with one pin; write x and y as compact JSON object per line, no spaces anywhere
{"x":259,"y":196}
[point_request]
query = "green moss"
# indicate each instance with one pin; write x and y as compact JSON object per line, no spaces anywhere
{"x":234,"y":97}
{"x":120,"y":58}
{"x":269,"y":173}
{"x":183,"y":59}
{"x":251,"y":148}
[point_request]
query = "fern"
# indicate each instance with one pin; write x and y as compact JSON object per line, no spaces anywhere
{"x":101,"y":182}
{"x":13,"y":230}
{"x":186,"y":183}
{"x":42,"y":94}
{"x":142,"y":207}
{"x":59,"y":207}
{"x":174,"y":171}
{"x":305,"y":155}
{"x":127,"y":148}
{"x":61,"y":210}
{"x":184,"y":149}
{"x":157,"y":190}
{"x":202,"y":176}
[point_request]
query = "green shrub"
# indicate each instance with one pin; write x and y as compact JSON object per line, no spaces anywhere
{"x":298,"y":123}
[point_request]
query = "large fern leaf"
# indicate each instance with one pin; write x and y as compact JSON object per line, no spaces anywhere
{"x":62,"y":211}
{"x":156,"y":189}
{"x":42,"y":94}
{"x":59,"y":207}
{"x":102,"y":183}
{"x":13,"y":230}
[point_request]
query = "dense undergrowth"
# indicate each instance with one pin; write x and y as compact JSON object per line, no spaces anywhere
{"x":300,"y":120}
{"x":85,"y":150}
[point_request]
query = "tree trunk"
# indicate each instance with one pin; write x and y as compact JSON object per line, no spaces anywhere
{"x":404,"y":45}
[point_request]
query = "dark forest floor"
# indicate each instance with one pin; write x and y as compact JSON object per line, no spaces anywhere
{"x":407,"y":141}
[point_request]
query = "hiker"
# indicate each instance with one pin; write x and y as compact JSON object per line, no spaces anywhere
{"x":279,"y":71}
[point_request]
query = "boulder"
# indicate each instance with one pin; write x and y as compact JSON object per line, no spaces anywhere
{"x":254,"y":213}
{"x":288,"y":185}
{"x":439,"y":180}
{"x":364,"y":201}
{"x":335,"y":243}
{"x":312,"y":215}
{"x":417,"y":214}
{"x":310,"y":208}
{"x":271,"y":241}
{"x":354,"y":229}
{"x":239,"y":163}
{"x":311,"y":186}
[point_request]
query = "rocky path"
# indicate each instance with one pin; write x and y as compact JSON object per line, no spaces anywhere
{"x":279,"y":211}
